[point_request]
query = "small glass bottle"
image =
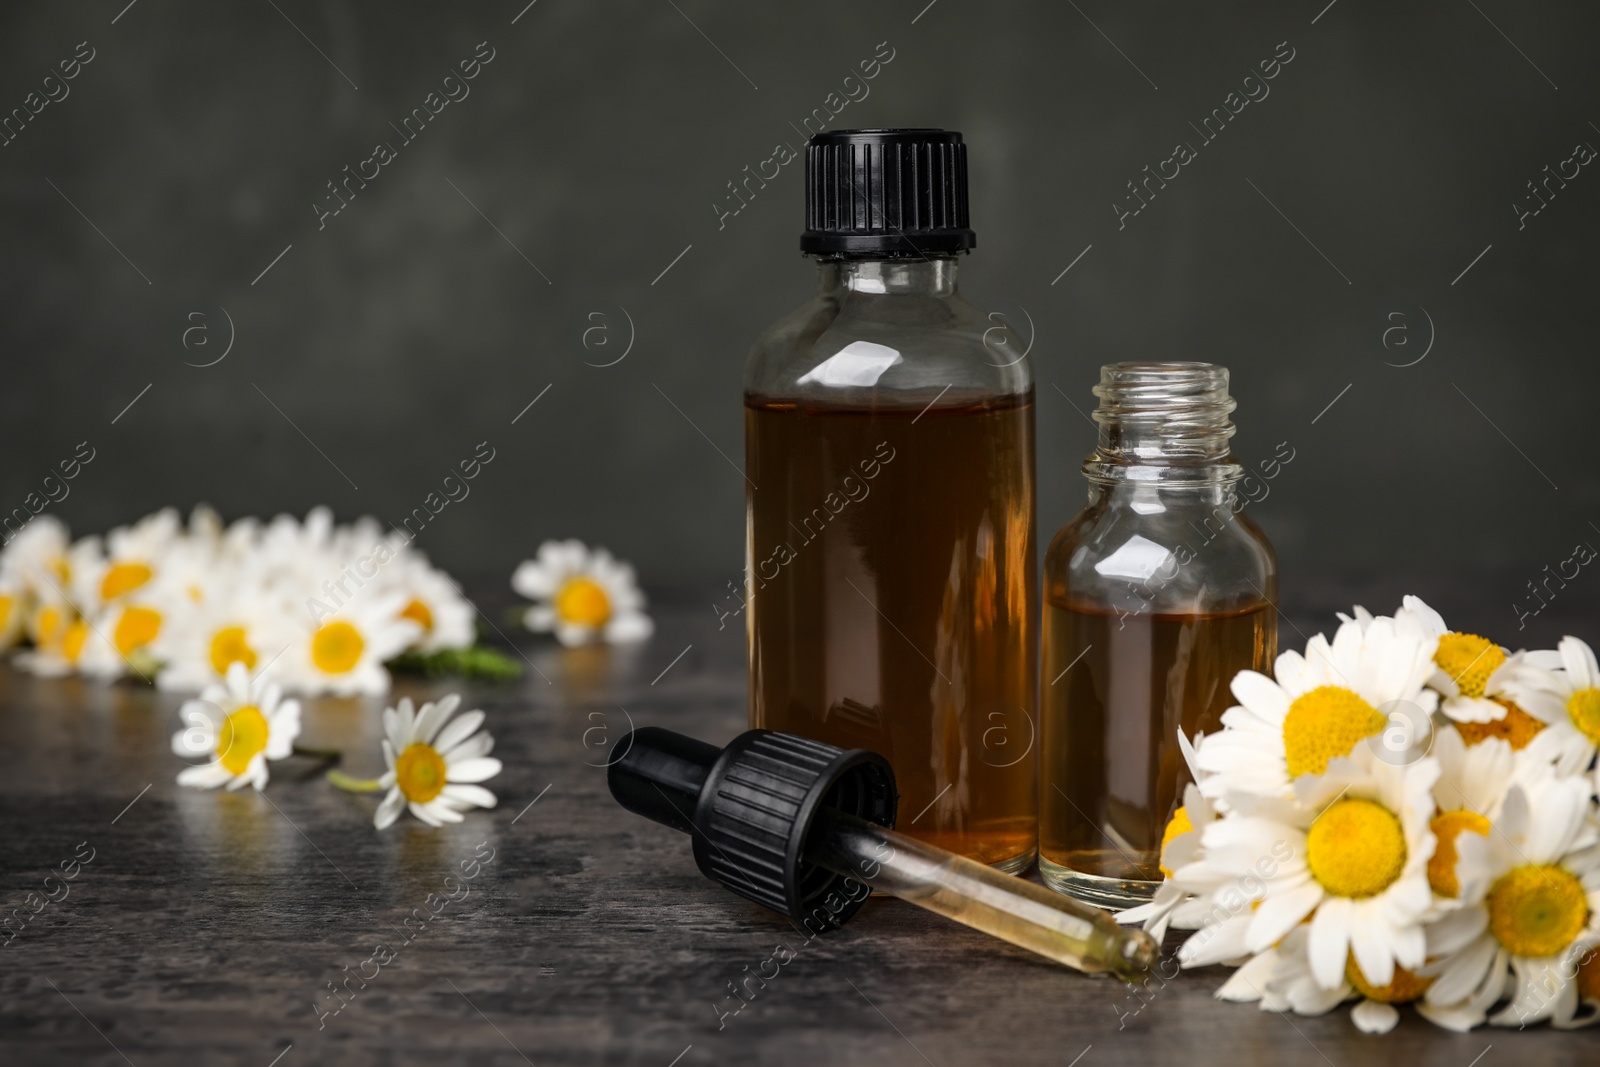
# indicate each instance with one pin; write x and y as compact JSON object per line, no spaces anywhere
{"x":891,"y":558}
{"x":1156,"y":594}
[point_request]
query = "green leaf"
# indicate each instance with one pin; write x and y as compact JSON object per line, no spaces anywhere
{"x":476,"y":662}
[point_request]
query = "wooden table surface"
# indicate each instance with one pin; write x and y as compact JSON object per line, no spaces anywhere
{"x":210,"y":928}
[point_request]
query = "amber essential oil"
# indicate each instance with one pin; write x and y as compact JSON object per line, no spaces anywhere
{"x":1118,"y":688}
{"x":891,"y":579}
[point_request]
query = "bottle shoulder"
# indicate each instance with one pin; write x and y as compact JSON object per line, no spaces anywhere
{"x":846,"y":347}
{"x":1184,"y":556}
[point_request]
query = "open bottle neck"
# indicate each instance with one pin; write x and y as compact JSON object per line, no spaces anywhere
{"x":933,"y":276}
{"x":1163,"y":424}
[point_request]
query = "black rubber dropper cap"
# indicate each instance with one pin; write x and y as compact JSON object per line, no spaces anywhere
{"x":749,"y":808}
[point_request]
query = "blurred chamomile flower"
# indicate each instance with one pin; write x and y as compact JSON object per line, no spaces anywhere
{"x":343,"y":652}
{"x":241,"y":724}
{"x":583,"y":595}
{"x":435,"y":604}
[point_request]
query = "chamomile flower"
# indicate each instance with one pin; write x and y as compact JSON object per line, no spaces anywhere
{"x":1567,"y":700}
{"x":244,"y":625}
{"x":1322,"y":705}
{"x":434,"y":763}
{"x":1470,"y":672}
{"x":59,"y":635}
{"x":582,"y":595}
{"x":241,"y":724}
{"x":121,"y":636}
{"x":435,"y":604}
{"x":1356,"y":844}
{"x":1530,"y":913}
{"x":343,"y":652}
{"x":133,"y":557}
{"x":36,"y":560}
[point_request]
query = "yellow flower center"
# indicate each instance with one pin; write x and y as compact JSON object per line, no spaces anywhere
{"x":336,"y":648}
{"x":136,"y":628}
{"x":1447,"y":826}
{"x":1356,"y":848}
{"x":1584,"y":707}
{"x":1179,"y":824}
{"x":1469,"y":660}
{"x":48,"y":626}
{"x":1516,"y":727}
{"x":418,"y":613}
{"x":583,"y":602}
{"x":1536,"y":910}
{"x":7,"y":604}
{"x":1324,"y":724}
{"x":72,"y":641}
{"x":123,"y":578}
{"x":229,"y":646}
{"x":1406,"y":986}
{"x":243,"y":734}
{"x":61,"y":568}
{"x":419,"y":772}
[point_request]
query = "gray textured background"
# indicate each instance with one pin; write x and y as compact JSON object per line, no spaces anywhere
{"x":1391,"y":149}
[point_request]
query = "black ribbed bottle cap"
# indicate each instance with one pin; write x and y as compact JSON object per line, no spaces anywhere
{"x":749,"y":809}
{"x":875,"y":193}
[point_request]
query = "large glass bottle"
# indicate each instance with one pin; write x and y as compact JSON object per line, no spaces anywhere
{"x":889,"y":456}
{"x":1156,"y":594}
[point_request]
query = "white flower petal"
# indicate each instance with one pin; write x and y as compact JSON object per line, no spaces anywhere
{"x":479,"y":744}
{"x":1373,"y":1017}
{"x":1282,"y":912}
{"x":535,"y":580}
{"x":425,"y":813}
{"x":479,"y":769}
{"x":1329,"y":944}
{"x":1578,"y":659}
{"x":1245,"y":985}
{"x":1462,"y":972}
{"x":434,"y":715}
{"x":205,"y":776}
{"x":1261,"y":695}
{"x":629,"y":627}
{"x":458,"y":730}
{"x":390,"y":809}
{"x":441,"y":812}
{"x":470,"y":794}
{"x":572,"y":635}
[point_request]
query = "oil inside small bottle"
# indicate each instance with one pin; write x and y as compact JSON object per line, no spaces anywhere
{"x":1117,"y":688}
{"x":891,"y":581}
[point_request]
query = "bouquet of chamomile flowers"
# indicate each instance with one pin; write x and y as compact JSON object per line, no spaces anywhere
{"x":325,"y":607}
{"x":1402,"y":815}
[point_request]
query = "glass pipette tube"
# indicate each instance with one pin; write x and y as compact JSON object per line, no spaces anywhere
{"x":1001,"y":905}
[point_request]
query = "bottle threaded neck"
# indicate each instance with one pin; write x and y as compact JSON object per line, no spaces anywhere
{"x":1170,"y":418}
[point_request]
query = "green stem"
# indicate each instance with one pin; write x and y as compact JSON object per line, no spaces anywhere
{"x":318,"y":753}
{"x":340,"y":780}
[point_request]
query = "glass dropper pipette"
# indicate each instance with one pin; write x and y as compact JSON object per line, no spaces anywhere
{"x":800,"y":827}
